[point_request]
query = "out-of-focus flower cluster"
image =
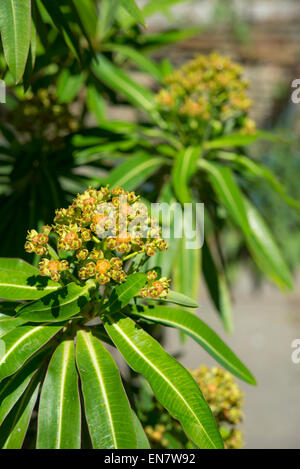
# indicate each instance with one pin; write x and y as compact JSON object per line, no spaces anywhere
{"x":222,"y":395}
{"x":225,"y":399}
{"x":95,"y":236}
{"x":42,"y":114}
{"x":155,"y":288}
{"x":207,"y":95}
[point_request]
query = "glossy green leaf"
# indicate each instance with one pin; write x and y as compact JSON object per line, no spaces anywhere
{"x":132,"y":8}
{"x":142,"y":439}
{"x":21,"y":343}
{"x":15,"y":28}
{"x":107,"y":14}
{"x":257,"y":169}
{"x":184,"y":168}
{"x":59,"y":424}
{"x":171,"y":383}
{"x":8,"y":323}
{"x":59,"y":305}
{"x":14,"y":428}
{"x":69,"y":85}
{"x":62,"y":24}
{"x":13,"y":387}
{"x":187,"y":270}
{"x":21,"y":281}
{"x":218,"y":289}
{"x":107,"y":409}
{"x":134,"y":172}
{"x":117,"y":80}
{"x":265,"y":250}
{"x":143,"y":62}
{"x":126,"y":291}
{"x":180,"y":299}
{"x":234,"y":140}
{"x":228,"y":193}
{"x":201,"y":333}
{"x":87,"y":13}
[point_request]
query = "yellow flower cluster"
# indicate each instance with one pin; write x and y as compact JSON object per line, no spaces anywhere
{"x":95,"y":235}
{"x":225,"y":400}
{"x":223,"y":397}
{"x":155,"y":288}
{"x":208,"y":90}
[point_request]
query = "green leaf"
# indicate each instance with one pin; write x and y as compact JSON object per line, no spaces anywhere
{"x":143,"y":62}
{"x":142,"y":439}
{"x":172,"y":384}
{"x":201,"y":333}
{"x":260,"y":171}
{"x":134,"y":172}
{"x":107,"y":15}
{"x":57,"y":306}
{"x":14,"y":428}
{"x":107,"y":409}
{"x":69,"y":85}
{"x":218,"y":289}
{"x":87,"y":13}
{"x":118,"y":81}
{"x":8,"y":323}
{"x":134,"y":11}
{"x":234,"y":140}
{"x":61,"y":23}
{"x":59,"y":424}
{"x":179,"y":299}
{"x":96,"y":104}
{"x":187,"y":270}
{"x":184,"y":168}
{"x":15,"y":28}
{"x":12,"y":388}
{"x":228,"y":193}
{"x":265,"y":250}
{"x":21,"y":281}
{"x":21,"y":343}
{"x":123,"y":293}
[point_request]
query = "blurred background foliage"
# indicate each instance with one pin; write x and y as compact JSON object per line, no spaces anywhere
{"x":82,"y":109}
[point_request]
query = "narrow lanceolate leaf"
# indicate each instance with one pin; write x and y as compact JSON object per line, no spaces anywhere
{"x":142,"y":439}
{"x":172,"y":384}
{"x":132,"y":8}
{"x":8,"y":323}
{"x":59,"y":424}
{"x":201,"y":333}
{"x":218,"y":289}
{"x":21,"y":281}
{"x":134,"y":172}
{"x":187,"y":270}
{"x":57,"y":306}
{"x":117,"y":80}
{"x":265,"y":250}
{"x":124,"y":293}
{"x":15,"y":28}
{"x":254,"y":167}
{"x":13,"y":387}
{"x":143,"y":62}
{"x":107,"y":409}
{"x":180,"y":299}
{"x":21,"y":343}
{"x":234,"y":140}
{"x":184,"y":168}
{"x":228,"y":193}
{"x":14,"y":428}
{"x":87,"y":13}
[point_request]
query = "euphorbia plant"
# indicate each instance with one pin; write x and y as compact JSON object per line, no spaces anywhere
{"x":54,"y":358}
